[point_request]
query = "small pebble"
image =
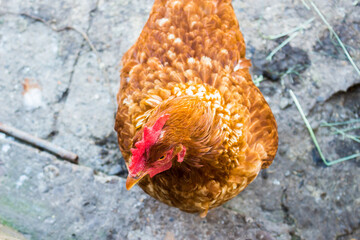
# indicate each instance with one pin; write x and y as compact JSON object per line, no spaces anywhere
{"x":276,"y":182}
{"x":320,"y":99}
{"x":249,"y":219}
{"x":5,"y":148}
{"x":51,"y":171}
{"x":284,"y":103}
{"x":33,"y":99}
{"x":21,"y":180}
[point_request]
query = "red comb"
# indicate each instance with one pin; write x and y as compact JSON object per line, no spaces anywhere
{"x":150,"y":135}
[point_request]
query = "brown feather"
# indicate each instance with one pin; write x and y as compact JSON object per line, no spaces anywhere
{"x":189,"y":62}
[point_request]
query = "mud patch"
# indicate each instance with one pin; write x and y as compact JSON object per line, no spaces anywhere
{"x":341,"y":107}
{"x":288,"y":61}
{"x":352,"y":100}
{"x":349,"y":33}
{"x":113,"y":162}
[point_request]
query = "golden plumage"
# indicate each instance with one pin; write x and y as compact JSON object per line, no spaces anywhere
{"x":189,"y":62}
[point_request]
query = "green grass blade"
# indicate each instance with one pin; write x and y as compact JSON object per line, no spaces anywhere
{"x":305,"y":4}
{"x":258,"y":79}
{"x":291,"y":37}
{"x":296,"y":29}
{"x":339,"y":131}
{"x":350,"y":129}
{"x":351,"y":121}
{"x":336,"y":36}
{"x":313,"y":137}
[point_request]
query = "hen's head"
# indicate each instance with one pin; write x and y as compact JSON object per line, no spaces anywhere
{"x":180,"y":129}
{"x":151,"y":154}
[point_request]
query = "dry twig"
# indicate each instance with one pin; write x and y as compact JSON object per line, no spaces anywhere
{"x":40,"y":143}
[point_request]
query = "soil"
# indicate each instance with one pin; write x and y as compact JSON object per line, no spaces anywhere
{"x":297,"y":197}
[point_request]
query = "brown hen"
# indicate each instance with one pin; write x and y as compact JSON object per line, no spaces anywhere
{"x":192,"y":127}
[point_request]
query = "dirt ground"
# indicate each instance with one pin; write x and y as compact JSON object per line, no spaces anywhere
{"x":72,"y":50}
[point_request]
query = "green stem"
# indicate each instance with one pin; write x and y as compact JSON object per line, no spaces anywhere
{"x":296,"y":29}
{"x":336,"y":36}
{"x":313,"y":137}
{"x":351,"y":121}
{"x":292,"y":36}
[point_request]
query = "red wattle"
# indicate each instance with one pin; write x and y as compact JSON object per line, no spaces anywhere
{"x":149,"y":138}
{"x":181,"y":154}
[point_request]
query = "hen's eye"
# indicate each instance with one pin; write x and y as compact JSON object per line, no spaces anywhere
{"x":162,"y":157}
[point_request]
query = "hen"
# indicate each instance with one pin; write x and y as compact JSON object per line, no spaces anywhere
{"x":192,"y":127}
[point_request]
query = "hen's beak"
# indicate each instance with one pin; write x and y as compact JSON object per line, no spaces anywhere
{"x":131,"y":181}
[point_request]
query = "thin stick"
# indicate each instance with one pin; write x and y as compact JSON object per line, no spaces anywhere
{"x":40,"y":143}
{"x":312,"y":134}
{"x":292,"y":36}
{"x":336,"y":36}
